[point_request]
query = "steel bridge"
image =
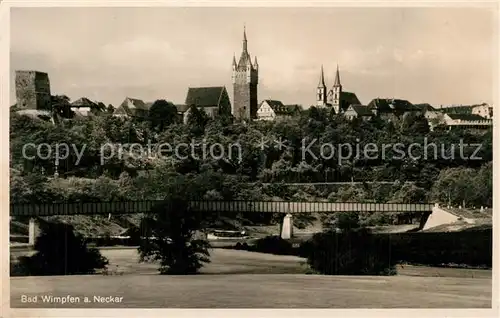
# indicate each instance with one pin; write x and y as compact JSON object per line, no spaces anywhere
{"x":288,"y":207}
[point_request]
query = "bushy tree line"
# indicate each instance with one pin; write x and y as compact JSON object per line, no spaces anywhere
{"x":432,"y":176}
{"x":59,"y":251}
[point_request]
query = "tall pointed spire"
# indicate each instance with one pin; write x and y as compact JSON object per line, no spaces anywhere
{"x":337,"y":77}
{"x":244,"y":39}
{"x":321,"y":78}
{"x":234,"y":59}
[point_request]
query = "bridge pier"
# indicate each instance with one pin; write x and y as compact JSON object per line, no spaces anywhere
{"x":287,"y":227}
{"x":33,"y":232}
{"x":439,"y":217}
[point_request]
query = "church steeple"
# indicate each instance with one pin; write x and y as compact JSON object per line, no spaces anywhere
{"x":337,"y":77}
{"x":336,"y":93}
{"x":321,"y":77}
{"x":321,"y":90}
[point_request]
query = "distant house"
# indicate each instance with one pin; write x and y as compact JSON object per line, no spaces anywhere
{"x":270,"y":109}
{"x":84,"y":107}
{"x":132,"y":107}
{"x":358,"y":111}
{"x":214,"y":101}
{"x":466,"y":121}
{"x":484,"y":110}
{"x":391,"y":108}
{"x":424,"y":108}
{"x":181,"y":110}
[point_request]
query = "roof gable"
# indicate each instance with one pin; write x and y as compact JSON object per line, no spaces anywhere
{"x":391,"y":104}
{"x":424,"y":107}
{"x":361,"y":110}
{"x":181,"y":107}
{"x":83,"y":102}
{"x":204,"y":96}
{"x":467,"y":117}
{"x":135,"y":103}
{"x":457,"y":110}
{"x":294,"y":107}
{"x":274,"y":103}
{"x":279,"y":108}
{"x":132,"y":107}
{"x":349,"y":97}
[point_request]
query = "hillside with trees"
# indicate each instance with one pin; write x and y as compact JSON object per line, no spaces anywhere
{"x":107,"y":166}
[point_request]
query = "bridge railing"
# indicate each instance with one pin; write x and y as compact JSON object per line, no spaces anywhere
{"x":129,"y":207}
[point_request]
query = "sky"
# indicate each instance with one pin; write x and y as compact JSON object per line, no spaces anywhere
{"x":440,"y":56}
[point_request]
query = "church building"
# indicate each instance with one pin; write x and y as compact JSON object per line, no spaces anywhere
{"x":335,"y":98}
{"x":245,"y":80}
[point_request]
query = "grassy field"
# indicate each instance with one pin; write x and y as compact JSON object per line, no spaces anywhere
{"x":239,"y":279}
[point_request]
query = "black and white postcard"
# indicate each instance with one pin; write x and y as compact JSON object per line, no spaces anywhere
{"x":171,"y":155}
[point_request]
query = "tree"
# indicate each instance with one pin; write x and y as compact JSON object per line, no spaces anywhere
{"x":59,"y":251}
{"x":196,"y":120}
{"x":483,"y":183}
{"x":110,"y":109}
{"x":61,"y":105}
{"x":410,"y":193}
{"x":414,"y":124}
{"x":356,"y":252}
{"x":172,"y":232}
{"x":347,"y":221}
{"x":454,"y":186}
{"x":162,"y":114}
{"x":170,"y":238}
{"x":31,"y":187}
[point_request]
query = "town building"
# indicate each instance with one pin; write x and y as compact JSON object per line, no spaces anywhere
{"x":336,"y":98}
{"x":214,"y":101}
{"x":475,"y":118}
{"x":466,"y":121}
{"x":391,"y":108}
{"x":132,"y":107}
{"x":84,"y":107}
{"x":33,"y":90}
{"x":484,"y":110}
{"x":358,"y":111}
{"x":245,"y":78}
{"x":270,"y":109}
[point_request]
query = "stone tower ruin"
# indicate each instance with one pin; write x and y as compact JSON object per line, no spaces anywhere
{"x":33,"y":90}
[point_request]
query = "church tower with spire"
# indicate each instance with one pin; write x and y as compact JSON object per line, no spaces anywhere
{"x":335,"y":93}
{"x":245,"y":80}
{"x":321,"y":94}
